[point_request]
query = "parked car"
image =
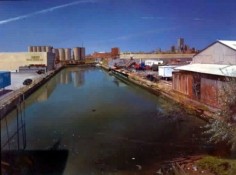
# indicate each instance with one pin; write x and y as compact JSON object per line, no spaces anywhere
{"x":41,"y":71}
{"x":27,"y":81}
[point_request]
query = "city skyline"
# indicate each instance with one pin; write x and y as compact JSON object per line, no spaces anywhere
{"x":99,"y":25}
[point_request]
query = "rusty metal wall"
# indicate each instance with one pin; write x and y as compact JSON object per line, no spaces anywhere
{"x":183,"y":83}
{"x":209,"y":91}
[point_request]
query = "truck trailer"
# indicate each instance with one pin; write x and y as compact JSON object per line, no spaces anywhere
{"x":166,"y":71}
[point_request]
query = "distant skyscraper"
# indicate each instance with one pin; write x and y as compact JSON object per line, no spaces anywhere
{"x":180,"y":44}
{"x":173,"y":49}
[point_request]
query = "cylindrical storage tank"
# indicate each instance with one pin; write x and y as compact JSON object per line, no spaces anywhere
{"x":48,"y":48}
{"x":67,"y":54}
{"x":56,"y":53}
{"x":82,"y":53}
{"x":76,"y":52}
{"x":38,"y":48}
{"x":30,"y":49}
{"x":43,"y":48}
{"x":34,"y":48}
{"x":61,"y":54}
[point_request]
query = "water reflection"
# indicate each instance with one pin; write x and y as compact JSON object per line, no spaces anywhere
{"x":72,"y":75}
{"x":45,"y":92}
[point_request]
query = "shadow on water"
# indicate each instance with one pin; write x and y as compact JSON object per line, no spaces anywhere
{"x":27,"y":162}
{"x":16,"y":160}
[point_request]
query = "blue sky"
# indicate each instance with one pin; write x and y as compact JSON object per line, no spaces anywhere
{"x":99,"y":25}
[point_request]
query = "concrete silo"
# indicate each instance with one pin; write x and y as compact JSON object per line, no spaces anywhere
{"x":82,"y":53}
{"x":67,"y":54}
{"x":56,"y":52}
{"x":76,"y":52}
{"x":38,"y":48}
{"x":61,"y":54}
{"x":43,"y":48}
{"x":30,"y":48}
{"x":34,"y":48}
{"x":48,"y":48}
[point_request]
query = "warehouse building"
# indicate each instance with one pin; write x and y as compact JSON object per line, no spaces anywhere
{"x":208,"y":74}
{"x":13,"y":61}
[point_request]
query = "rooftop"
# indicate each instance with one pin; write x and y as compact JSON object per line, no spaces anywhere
{"x":213,"y":69}
{"x":231,"y":44}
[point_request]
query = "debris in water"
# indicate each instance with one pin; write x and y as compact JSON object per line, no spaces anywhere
{"x":133,"y":158}
{"x":159,"y":172}
{"x":56,"y":145}
{"x":139,"y":167}
{"x":194,"y":168}
{"x":94,"y":110}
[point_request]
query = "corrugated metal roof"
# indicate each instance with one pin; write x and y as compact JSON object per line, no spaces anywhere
{"x":231,"y":44}
{"x":213,"y":69}
{"x":169,"y":66}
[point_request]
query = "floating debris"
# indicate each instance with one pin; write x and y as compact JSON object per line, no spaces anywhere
{"x":139,"y":167}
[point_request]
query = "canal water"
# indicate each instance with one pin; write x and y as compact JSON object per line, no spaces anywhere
{"x":107,"y":126}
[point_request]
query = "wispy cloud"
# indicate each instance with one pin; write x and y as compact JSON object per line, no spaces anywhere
{"x":170,"y":18}
{"x":147,"y":17}
{"x":156,"y":18}
{"x":198,"y":19}
{"x":45,"y":11}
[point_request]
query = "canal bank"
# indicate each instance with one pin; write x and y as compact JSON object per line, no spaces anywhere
{"x":14,"y":98}
{"x":164,"y":88}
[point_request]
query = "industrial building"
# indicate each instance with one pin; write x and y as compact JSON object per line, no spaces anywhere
{"x":13,"y":61}
{"x":204,"y":79}
{"x":177,"y":57}
{"x":40,"y":58}
{"x":115,"y":52}
{"x":99,"y":56}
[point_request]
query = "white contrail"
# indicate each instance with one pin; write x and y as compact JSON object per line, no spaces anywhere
{"x":44,"y":11}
